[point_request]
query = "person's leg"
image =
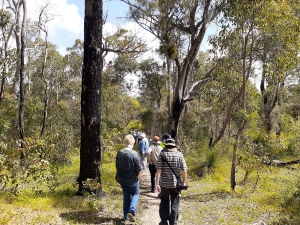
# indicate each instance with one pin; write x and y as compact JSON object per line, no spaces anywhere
{"x":134,"y":191}
{"x":142,"y":159}
{"x":126,"y":200}
{"x":152,"y":174}
{"x":175,"y":200}
{"x":164,"y":207}
{"x":145,"y":161}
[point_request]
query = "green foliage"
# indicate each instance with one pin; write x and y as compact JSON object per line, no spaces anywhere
{"x":5,"y":16}
{"x":249,"y":163}
{"x":40,"y":173}
{"x":270,"y":147}
{"x":169,"y":49}
{"x":147,"y":117}
{"x":291,"y":208}
{"x":8,"y":112}
{"x":134,"y":124}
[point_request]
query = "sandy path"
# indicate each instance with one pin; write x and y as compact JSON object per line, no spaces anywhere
{"x":147,"y":213}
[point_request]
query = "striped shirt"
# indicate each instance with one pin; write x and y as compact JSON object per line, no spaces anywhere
{"x":176,"y":161}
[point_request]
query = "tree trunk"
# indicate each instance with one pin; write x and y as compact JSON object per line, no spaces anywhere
{"x":177,"y":108}
{"x":234,"y":156}
{"x":22,"y":75}
{"x":46,"y":90}
{"x":90,"y":152}
{"x":2,"y":86}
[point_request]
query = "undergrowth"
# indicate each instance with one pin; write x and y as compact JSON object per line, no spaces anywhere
{"x":269,"y":195}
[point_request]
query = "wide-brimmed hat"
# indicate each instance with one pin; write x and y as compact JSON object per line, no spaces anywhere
{"x":170,"y":143}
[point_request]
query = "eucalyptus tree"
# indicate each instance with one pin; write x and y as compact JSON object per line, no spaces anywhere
{"x":7,"y":27}
{"x":180,"y":26}
{"x":236,"y":53}
{"x":123,"y":48}
{"x":90,"y":151}
{"x":153,"y":94}
{"x":20,"y":14}
{"x":121,"y":52}
{"x":44,"y":19}
{"x":152,"y":82}
{"x":278,"y":54}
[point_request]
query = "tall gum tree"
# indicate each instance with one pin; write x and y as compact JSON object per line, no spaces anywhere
{"x":6,"y":27}
{"x":278,"y":54}
{"x":90,"y":152}
{"x":180,"y":25}
{"x":245,"y":33}
{"x":19,"y":10}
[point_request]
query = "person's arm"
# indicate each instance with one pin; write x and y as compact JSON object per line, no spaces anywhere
{"x":137,"y":164}
{"x":149,"y":159}
{"x":157,"y":178}
{"x":184,"y":176}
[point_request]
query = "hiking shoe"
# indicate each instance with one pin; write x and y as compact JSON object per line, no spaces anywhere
{"x":164,"y":223}
{"x":131,"y":218}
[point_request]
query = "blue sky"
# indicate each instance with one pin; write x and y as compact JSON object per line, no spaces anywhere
{"x":115,"y":8}
{"x":67,"y":25}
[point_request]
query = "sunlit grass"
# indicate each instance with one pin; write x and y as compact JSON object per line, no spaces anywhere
{"x":261,"y":198}
{"x":268,"y":195}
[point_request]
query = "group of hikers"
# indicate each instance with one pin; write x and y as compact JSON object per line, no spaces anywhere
{"x":167,"y":169}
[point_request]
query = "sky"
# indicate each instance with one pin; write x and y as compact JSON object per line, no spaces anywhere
{"x":67,"y":23}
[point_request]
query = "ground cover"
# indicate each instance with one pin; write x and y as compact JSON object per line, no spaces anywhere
{"x":270,"y":195}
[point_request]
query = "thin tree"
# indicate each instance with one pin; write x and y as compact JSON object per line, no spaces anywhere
{"x":44,"y":18}
{"x":20,"y":28}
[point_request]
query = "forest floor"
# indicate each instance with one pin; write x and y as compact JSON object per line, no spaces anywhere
{"x":271,"y":200}
{"x":147,"y":212}
{"x":148,"y":208}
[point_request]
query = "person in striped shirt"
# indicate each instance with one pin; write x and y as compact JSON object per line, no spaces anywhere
{"x":168,"y":181}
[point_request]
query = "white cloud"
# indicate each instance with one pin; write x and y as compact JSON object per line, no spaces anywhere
{"x":67,"y":24}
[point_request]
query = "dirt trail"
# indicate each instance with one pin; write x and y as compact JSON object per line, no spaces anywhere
{"x":147,"y":213}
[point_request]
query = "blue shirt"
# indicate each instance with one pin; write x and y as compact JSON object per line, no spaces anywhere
{"x":128,"y":166}
{"x":144,"y":146}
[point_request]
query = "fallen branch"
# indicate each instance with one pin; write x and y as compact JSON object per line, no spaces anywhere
{"x":282,"y":164}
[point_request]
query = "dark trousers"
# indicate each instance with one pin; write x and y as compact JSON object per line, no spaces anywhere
{"x":152,"y":174}
{"x":165,"y":213}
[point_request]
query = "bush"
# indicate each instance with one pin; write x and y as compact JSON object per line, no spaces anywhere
{"x":39,"y":170}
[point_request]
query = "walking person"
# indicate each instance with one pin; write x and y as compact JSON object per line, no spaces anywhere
{"x":165,"y":137}
{"x":152,"y":156}
{"x":128,"y":170}
{"x":143,"y":149}
{"x":168,"y":181}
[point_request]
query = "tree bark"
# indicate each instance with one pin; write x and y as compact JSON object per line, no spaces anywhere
{"x":90,"y":152}
{"x":22,"y":75}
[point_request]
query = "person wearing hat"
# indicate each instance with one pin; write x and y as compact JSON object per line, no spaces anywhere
{"x":165,"y":137}
{"x":168,"y":181}
{"x":152,"y":156}
{"x":143,"y":149}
